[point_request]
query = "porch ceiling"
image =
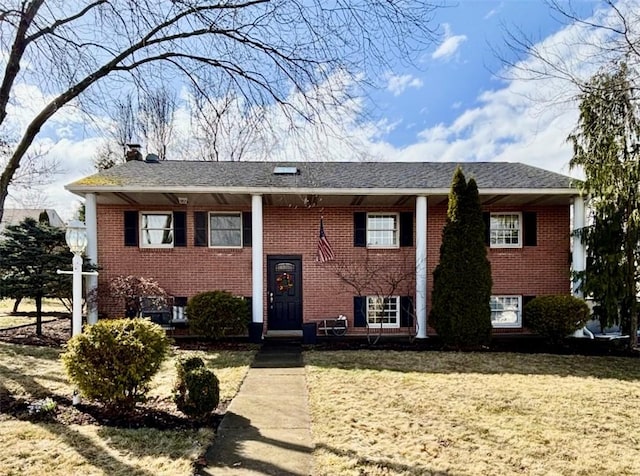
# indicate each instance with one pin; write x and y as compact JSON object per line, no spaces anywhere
{"x":302,"y":200}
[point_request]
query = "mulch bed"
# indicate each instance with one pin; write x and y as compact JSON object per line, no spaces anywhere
{"x":160,"y":413}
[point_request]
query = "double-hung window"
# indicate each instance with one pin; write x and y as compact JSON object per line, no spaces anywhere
{"x":506,"y":311}
{"x":383,"y":311}
{"x":382,"y":230}
{"x":225,"y":230}
{"x":156,"y":230}
{"x":505,"y":230}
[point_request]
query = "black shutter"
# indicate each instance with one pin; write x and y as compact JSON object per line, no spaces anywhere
{"x":406,"y":311}
{"x":179,"y":228}
{"x":486,"y":217}
{"x":359,"y":311}
{"x":130,"y":228}
{"x":246,"y":229}
{"x":530,"y":225}
{"x":406,"y":229}
{"x":360,"y":229}
{"x":200,"y":229}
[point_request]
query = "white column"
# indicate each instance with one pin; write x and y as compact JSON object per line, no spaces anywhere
{"x":421,"y":267}
{"x":257,"y":268}
{"x":578,"y":252}
{"x":76,"y":321}
{"x":91,"y":221}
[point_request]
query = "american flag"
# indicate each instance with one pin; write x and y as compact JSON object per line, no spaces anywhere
{"x":325,"y":252}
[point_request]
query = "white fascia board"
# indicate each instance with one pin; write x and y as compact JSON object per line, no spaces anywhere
{"x":81,"y":190}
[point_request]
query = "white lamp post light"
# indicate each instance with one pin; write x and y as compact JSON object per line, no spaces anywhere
{"x":76,"y":238}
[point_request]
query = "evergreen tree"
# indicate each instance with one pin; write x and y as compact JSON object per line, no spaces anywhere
{"x":460,"y":309}
{"x":30,"y":254}
{"x":606,"y":147}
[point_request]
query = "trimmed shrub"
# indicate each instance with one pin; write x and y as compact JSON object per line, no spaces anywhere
{"x":197,"y":390}
{"x":113,"y":361}
{"x":556,"y":316}
{"x":218,"y":314}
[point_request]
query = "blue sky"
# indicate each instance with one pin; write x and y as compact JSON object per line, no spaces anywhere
{"x":450,"y":106}
{"x":454,"y":73}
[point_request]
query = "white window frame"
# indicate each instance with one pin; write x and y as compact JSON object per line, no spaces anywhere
{"x":519,"y":229}
{"x":144,"y":230}
{"x":395,"y":231}
{"x":518,"y":311}
{"x":210,"y":229}
{"x":390,"y":314}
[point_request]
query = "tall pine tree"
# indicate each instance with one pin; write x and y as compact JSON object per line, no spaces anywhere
{"x":606,"y":146}
{"x":30,"y":254}
{"x":460,"y":309}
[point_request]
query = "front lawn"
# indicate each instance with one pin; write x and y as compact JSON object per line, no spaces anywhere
{"x":417,"y":413}
{"x":32,"y":446}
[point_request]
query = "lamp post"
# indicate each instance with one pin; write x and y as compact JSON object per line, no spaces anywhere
{"x":76,"y":238}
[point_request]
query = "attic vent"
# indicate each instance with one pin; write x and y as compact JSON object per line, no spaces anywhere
{"x":280,"y":170}
{"x":152,"y":159}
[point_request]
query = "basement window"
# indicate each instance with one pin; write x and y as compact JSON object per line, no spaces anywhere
{"x":506,"y":311}
{"x":383,"y":311}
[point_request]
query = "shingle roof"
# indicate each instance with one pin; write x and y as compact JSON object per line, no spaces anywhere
{"x":318,"y":175}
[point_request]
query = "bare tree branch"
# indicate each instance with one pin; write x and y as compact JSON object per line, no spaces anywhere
{"x":91,"y":52}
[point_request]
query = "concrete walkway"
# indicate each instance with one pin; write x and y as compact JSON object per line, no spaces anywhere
{"x":266,"y":429}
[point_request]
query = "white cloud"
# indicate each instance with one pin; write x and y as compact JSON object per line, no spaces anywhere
{"x":494,"y":11}
{"x":397,"y":84}
{"x":450,"y":45}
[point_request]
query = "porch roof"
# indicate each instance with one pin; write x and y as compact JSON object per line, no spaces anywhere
{"x":172,"y":179}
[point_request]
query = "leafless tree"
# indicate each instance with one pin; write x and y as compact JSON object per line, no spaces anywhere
{"x":121,"y":131}
{"x":380,"y":278}
{"x":85,"y":52}
{"x":36,"y":171}
{"x":224,"y":129}
{"x":156,"y":113}
{"x":609,"y":35}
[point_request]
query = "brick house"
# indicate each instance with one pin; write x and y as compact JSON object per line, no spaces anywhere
{"x":253,"y":228}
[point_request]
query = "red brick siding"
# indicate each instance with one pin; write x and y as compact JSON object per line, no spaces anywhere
{"x":543,"y":269}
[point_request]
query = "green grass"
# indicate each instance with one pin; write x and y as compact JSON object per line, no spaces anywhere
{"x":418,"y":413}
{"x":58,"y":449}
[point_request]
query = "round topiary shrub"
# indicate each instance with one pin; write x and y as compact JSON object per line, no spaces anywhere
{"x":556,"y":316}
{"x":114,"y":360}
{"x":217,"y":314}
{"x":197,"y":390}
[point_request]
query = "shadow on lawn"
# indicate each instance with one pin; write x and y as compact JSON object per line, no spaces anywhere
{"x":84,"y":446}
{"x":488,"y":363}
{"x":367,"y":465}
